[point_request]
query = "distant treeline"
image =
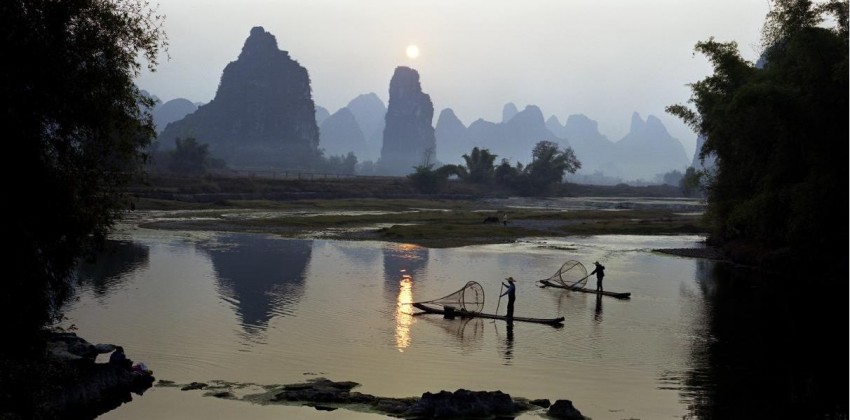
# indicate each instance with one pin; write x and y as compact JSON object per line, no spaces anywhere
{"x":272,"y":184}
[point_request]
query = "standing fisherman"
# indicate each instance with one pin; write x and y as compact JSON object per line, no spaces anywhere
{"x":511,"y":292}
{"x":600,"y":273}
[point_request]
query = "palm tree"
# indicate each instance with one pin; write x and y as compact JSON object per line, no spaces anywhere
{"x":479,"y":166}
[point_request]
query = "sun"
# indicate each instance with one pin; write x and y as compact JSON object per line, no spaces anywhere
{"x":412,"y":51}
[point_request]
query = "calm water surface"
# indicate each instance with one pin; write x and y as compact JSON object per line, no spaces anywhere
{"x":255,"y":309}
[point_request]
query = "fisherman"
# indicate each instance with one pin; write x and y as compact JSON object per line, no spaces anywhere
{"x":600,"y":273}
{"x":511,"y":292}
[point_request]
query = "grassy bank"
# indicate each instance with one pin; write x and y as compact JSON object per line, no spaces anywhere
{"x":435,"y":223}
{"x":389,"y":209}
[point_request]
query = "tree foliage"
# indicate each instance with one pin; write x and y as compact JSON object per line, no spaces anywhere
{"x":190,"y":157}
{"x":507,"y":175}
{"x":673,"y":177}
{"x":547,"y":168}
{"x":778,"y":131}
{"x":338,"y":164}
{"x":427,"y":180}
{"x":549,"y":164}
{"x":690,"y":183}
{"x":78,"y":130}
{"x":479,"y":166}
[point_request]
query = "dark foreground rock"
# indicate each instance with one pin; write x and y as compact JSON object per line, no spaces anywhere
{"x":563,"y":409}
{"x":327,"y":395}
{"x":84,"y":388}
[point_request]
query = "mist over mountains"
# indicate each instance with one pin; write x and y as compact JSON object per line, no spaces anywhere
{"x":263,"y":115}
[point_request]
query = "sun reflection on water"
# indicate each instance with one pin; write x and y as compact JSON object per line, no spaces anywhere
{"x":403,"y":317}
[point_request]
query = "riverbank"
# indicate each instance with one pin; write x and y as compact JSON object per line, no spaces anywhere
{"x":433,"y":223}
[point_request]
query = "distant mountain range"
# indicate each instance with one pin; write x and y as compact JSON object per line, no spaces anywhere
{"x":263,"y":116}
{"x":645,"y":152}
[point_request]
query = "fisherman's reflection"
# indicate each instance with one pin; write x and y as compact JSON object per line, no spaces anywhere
{"x":509,"y":343}
{"x":597,"y":313}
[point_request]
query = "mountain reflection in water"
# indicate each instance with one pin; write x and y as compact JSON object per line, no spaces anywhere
{"x":698,"y":339}
{"x":260,"y":275}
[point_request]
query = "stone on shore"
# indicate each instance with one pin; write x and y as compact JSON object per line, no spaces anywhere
{"x":86,"y":389}
{"x":324,"y":394}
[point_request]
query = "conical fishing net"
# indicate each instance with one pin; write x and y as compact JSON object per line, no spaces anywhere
{"x":572,"y":274}
{"x":469,"y":298}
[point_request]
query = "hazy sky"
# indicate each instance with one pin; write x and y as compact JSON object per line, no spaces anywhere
{"x":602,"y":58}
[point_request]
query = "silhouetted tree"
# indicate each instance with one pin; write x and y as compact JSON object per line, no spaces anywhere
{"x":479,"y":166}
{"x":190,"y":157}
{"x":778,"y":131}
{"x":77,"y":127}
{"x":673,"y":177}
{"x":690,"y":182}
{"x":424,"y":178}
{"x":548,"y":166}
{"x":342,"y":164}
{"x":427,"y":180}
{"x":504,"y":173}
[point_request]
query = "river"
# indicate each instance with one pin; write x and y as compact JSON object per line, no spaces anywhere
{"x":694,"y":341}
